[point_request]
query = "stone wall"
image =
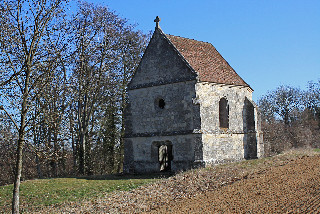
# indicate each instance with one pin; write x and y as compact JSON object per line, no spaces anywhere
{"x":186,"y":152}
{"x":259,"y":133}
{"x":149,"y":126}
{"x":220,"y":148}
{"x":161,"y":110}
{"x":209,"y":95}
{"x":178,"y":115}
{"x":234,"y":143}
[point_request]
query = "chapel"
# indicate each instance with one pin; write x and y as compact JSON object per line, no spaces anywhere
{"x":187,"y":108}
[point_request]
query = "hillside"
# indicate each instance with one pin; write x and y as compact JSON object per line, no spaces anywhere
{"x":284,"y":183}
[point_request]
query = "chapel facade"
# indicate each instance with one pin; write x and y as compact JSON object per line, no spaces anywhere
{"x":187,"y":108}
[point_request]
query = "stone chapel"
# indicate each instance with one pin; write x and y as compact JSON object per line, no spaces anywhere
{"x":187,"y":108}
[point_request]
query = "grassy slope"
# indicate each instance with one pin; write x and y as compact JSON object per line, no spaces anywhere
{"x":44,"y":192}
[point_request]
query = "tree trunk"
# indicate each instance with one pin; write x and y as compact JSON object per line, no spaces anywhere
{"x":18,"y":169}
{"x":55,"y":156}
{"x":39,"y":171}
{"x":73,"y":143}
{"x":123,"y":107}
{"x":83,"y":135}
{"x":81,"y":153}
{"x":88,"y":164}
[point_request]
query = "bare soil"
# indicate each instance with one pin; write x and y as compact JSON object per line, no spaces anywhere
{"x":290,"y":188}
{"x":287,"y":183}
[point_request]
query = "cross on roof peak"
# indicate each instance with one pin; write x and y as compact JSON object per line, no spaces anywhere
{"x":157,"y":20}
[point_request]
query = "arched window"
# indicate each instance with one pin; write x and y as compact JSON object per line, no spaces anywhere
{"x":249,"y":119}
{"x":224,"y":113}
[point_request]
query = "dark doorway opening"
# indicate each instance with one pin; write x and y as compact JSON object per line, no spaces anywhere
{"x":165,"y":157}
{"x":250,"y":148}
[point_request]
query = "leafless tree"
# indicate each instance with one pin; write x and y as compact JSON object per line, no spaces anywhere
{"x":28,"y":33}
{"x":95,"y":29}
{"x":290,"y":118}
{"x":282,"y":103}
{"x":49,"y":121}
{"x":88,"y":67}
{"x":311,"y":99}
{"x":106,"y":52}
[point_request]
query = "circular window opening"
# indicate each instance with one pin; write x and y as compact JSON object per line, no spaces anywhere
{"x":161,"y":103}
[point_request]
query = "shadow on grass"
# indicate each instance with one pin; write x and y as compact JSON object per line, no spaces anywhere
{"x":121,"y":176}
{"x":118,"y":176}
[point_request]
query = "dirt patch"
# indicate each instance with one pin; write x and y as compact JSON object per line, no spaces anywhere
{"x":285,"y":183}
{"x":290,"y":188}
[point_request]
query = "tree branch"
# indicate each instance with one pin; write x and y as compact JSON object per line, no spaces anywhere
{"x":16,"y":125}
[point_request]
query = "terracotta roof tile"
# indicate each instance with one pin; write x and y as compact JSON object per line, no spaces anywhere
{"x":206,"y":61}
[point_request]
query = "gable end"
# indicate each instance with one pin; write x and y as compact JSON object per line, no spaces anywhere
{"x":161,"y":64}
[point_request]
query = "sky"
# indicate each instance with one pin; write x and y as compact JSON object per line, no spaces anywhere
{"x":267,"y":42}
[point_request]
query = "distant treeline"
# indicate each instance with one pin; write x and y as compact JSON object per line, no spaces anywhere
{"x":291,"y":118}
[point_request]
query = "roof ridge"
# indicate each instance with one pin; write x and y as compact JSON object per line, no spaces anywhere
{"x":191,"y":39}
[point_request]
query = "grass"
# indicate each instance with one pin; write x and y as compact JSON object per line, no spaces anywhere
{"x":251,"y":163}
{"x":45,"y":192}
{"x":316,"y":150}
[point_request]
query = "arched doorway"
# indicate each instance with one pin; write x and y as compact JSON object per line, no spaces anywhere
{"x":165,"y":157}
{"x":250,"y":138}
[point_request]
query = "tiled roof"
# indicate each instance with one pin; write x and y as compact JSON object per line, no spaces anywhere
{"x":206,"y":61}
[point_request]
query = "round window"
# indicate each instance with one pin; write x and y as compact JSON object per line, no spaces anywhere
{"x":161,"y":103}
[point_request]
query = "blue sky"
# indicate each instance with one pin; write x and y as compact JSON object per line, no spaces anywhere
{"x":268,"y":42}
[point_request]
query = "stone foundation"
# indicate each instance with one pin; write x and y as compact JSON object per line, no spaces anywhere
{"x":141,"y":153}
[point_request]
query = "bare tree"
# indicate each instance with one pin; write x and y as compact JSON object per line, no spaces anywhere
{"x":103,"y":60}
{"x":282,"y":103}
{"x":94,"y":29}
{"x":49,"y":121}
{"x":311,"y":99}
{"x":28,"y":32}
{"x":291,"y":118}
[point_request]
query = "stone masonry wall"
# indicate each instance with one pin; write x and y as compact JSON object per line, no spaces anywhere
{"x":162,"y":75}
{"x":150,"y":126}
{"x":186,"y":151}
{"x":259,"y":133}
{"x":178,"y":115}
{"x":221,"y":145}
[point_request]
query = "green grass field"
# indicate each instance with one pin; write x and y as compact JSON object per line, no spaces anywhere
{"x":44,"y":192}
